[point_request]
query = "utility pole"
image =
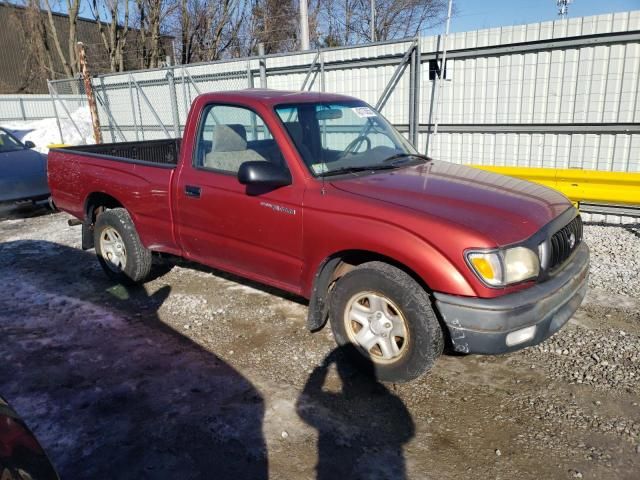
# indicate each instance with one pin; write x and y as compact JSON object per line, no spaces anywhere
{"x":263,"y":66}
{"x":373,"y":20}
{"x":84,"y":70}
{"x":304,"y":25}
{"x":563,"y":7}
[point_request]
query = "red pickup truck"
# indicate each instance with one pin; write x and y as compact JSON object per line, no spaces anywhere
{"x":317,"y":194}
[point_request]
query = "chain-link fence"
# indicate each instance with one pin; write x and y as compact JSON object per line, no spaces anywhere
{"x":25,"y":107}
{"x":71,"y":111}
{"x":155,"y":104}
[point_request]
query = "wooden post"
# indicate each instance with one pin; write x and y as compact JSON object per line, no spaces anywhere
{"x":84,"y":70}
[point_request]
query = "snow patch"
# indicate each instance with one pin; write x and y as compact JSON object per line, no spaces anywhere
{"x":45,"y":132}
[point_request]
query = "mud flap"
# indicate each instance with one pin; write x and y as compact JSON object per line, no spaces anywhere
{"x":319,"y":304}
{"x":87,"y":235}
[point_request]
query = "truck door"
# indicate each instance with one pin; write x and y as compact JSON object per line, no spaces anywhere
{"x":227,"y":225}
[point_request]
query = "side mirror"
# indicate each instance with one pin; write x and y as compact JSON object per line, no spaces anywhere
{"x":29,"y":144}
{"x":263,"y":173}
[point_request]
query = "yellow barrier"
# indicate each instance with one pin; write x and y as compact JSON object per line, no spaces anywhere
{"x":57,"y":145}
{"x":581,"y":185}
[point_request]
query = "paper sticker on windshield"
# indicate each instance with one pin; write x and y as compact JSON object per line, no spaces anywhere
{"x":364,"y":112}
{"x":319,"y":168}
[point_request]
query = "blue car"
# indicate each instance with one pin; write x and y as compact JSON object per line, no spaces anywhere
{"x":23,"y":171}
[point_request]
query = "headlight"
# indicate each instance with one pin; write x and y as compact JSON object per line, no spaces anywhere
{"x":504,"y":267}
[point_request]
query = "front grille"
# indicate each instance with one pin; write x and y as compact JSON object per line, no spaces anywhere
{"x":561,"y":242}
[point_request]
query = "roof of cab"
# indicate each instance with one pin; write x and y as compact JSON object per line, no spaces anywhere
{"x":275,"y":97}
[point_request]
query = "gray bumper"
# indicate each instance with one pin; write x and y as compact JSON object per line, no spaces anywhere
{"x":479,"y":325}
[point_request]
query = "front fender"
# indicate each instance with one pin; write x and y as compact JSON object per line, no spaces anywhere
{"x":327,"y":235}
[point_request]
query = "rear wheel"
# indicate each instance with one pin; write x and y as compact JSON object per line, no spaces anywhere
{"x":388,"y":317}
{"x":118,"y":247}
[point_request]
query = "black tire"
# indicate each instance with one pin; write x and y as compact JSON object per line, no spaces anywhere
{"x":138,"y":258}
{"x":424,"y":341}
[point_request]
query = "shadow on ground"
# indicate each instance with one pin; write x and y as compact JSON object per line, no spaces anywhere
{"x":110,"y":390}
{"x":13,"y":211}
{"x":362,"y":426}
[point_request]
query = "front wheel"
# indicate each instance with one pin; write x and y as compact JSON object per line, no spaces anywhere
{"x":388,"y":317}
{"x":118,"y":247}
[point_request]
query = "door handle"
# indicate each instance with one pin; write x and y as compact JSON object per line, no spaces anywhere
{"x":192,"y":191}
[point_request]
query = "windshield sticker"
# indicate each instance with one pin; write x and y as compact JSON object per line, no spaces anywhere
{"x":319,"y":168}
{"x":364,"y":112}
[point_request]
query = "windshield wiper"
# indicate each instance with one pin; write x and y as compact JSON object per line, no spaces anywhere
{"x":354,"y":169}
{"x":402,"y":155}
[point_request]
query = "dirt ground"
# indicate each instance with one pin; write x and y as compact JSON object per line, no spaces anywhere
{"x":198,"y":374}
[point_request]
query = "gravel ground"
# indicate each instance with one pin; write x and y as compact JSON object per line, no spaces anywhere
{"x":204,"y":375}
{"x":615,"y":252}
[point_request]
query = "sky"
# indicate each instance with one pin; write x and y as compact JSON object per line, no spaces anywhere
{"x":477,"y":14}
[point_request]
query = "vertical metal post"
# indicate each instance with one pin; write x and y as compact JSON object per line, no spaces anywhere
{"x":108,"y":108}
{"x":55,"y":109}
{"x":88,"y":91}
{"x":174,"y":103}
{"x":263,"y":66}
{"x":322,"y":84}
{"x":249,"y":76}
{"x":139,"y":107}
{"x":184,"y":93}
{"x":254,"y":123}
{"x":133,"y":110}
{"x":418,"y":83}
{"x":22,"y":112}
{"x":412,"y":100}
{"x":304,"y":25}
{"x":414,"y":94}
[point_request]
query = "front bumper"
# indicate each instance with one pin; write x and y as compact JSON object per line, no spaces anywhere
{"x":481,"y":325}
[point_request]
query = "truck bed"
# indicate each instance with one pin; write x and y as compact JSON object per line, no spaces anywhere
{"x":163,"y":152}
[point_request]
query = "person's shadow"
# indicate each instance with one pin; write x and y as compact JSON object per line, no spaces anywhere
{"x":361,"y":425}
{"x":108,"y":387}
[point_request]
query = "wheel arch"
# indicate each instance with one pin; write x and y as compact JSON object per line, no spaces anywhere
{"x":337,"y":265}
{"x":94,"y":204}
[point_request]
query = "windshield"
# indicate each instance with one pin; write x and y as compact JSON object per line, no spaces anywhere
{"x":8,"y":143}
{"x":343,"y":136}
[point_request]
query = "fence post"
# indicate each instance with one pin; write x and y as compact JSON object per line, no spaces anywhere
{"x":55,"y":109}
{"x":22,"y":112}
{"x":174,"y":103}
{"x":186,"y":100}
{"x":133,"y":110}
{"x":322,"y":85}
{"x":414,"y":94}
{"x":107,"y":107}
{"x":249,"y":75}
{"x":84,"y":69}
{"x":263,"y":66}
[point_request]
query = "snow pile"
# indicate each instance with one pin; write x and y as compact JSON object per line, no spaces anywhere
{"x":45,"y":132}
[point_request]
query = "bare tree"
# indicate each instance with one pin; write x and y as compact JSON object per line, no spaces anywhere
{"x":153,"y":15}
{"x":114,"y":35}
{"x":275,"y":24}
{"x":69,"y":61}
{"x":346,"y":22}
{"x":39,"y":62}
{"x":208,"y":28}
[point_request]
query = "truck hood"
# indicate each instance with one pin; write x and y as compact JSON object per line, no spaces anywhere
{"x":503,"y":209}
